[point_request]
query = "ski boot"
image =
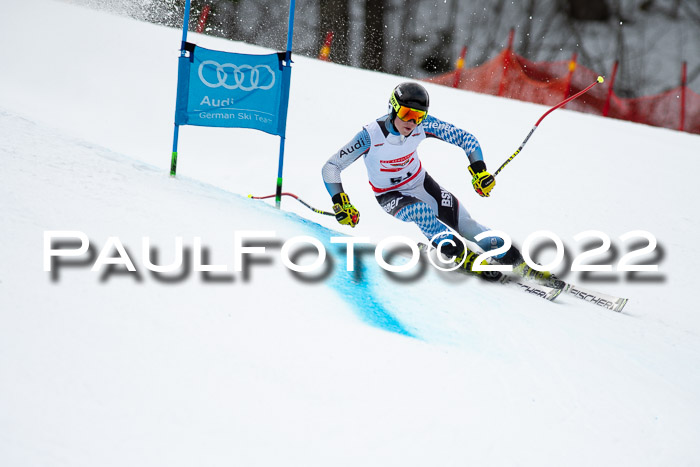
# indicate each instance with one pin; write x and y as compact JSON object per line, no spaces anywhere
{"x":469,"y":256}
{"x":541,"y":277}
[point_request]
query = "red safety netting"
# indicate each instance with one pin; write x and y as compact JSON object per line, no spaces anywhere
{"x":548,"y":83}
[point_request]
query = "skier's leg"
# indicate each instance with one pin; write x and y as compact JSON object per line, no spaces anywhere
{"x":408,"y":208}
{"x":454,"y":214}
{"x":413,"y":209}
{"x":469,"y":228}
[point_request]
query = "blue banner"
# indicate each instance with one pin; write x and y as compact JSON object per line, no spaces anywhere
{"x":222,"y":89}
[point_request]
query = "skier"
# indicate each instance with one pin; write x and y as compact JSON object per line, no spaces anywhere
{"x":404,"y":188}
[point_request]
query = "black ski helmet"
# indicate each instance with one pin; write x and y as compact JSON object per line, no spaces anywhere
{"x":409,"y":94}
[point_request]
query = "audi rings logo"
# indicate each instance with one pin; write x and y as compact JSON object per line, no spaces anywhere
{"x":243,"y":77}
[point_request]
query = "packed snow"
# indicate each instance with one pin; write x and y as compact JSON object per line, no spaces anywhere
{"x":269,"y":367}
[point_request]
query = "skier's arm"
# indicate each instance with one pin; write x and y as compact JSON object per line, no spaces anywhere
{"x":342,"y":159}
{"x":436,"y":128}
{"x":482,"y":180}
{"x":345,"y":212}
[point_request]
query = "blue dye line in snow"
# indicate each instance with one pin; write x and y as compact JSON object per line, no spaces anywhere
{"x":358,"y":293}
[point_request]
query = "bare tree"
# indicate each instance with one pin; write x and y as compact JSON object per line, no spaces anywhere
{"x":527,"y":32}
{"x":489,"y":23}
{"x":424,"y":36}
{"x":374,"y":38}
{"x":439,"y":59}
{"x":226,"y":18}
{"x":334,"y":16}
{"x":588,"y":10}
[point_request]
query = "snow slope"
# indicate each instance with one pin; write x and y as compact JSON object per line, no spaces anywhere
{"x":269,"y":368}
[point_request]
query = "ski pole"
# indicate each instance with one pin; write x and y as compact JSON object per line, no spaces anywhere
{"x":598,"y":80}
{"x":319,"y":211}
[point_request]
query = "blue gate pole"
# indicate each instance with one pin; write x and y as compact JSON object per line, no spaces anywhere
{"x":185,"y":24}
{"x":287,"y":75}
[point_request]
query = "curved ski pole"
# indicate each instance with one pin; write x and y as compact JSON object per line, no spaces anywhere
{"x":319,"y":211}
{"x":562,"y":103}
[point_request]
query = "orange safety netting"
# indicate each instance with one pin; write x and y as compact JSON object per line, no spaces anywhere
{"x":548,"y":83}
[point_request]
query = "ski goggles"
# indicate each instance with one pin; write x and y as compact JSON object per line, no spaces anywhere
{"x":408,"y":113}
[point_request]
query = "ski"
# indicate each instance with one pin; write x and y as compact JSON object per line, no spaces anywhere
{"x":609,"y":302}
{"x":496,"y":277}
{"x":539,"y":290}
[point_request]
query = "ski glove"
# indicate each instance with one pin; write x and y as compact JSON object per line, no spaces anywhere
{"x":482,"y":181}
{"x":345,"y":213}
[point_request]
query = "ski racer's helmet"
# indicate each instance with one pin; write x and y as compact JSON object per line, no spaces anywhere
{"x":409,"y":101}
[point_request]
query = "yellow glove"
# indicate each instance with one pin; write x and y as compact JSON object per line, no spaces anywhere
{"x":345,"y":213}
{"x":482,"y":181}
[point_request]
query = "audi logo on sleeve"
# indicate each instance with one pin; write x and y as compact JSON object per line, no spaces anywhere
{"x":243,"y":77}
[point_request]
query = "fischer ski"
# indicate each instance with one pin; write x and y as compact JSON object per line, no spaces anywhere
{"x":602,"y":300}
{"x":539,"y":290}
{"x":609,"y":302}
{"x":497,"y":277}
